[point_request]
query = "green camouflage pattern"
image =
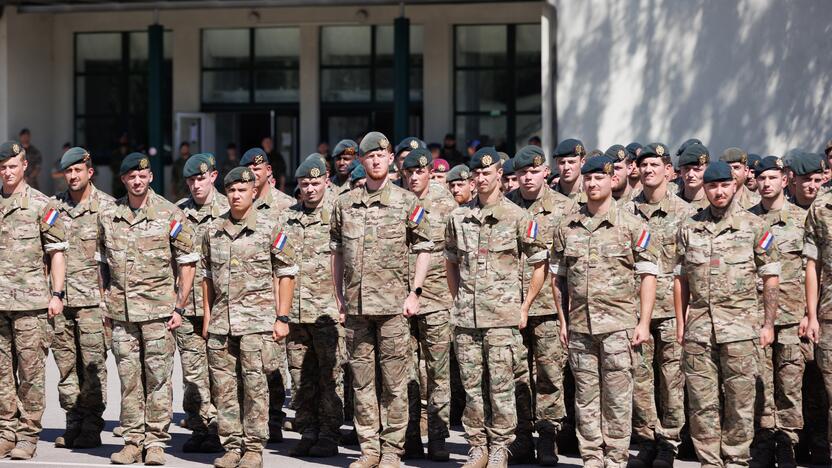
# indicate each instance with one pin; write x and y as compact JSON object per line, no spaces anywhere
{"x":782,"y":366}
{"x":200,"y":413}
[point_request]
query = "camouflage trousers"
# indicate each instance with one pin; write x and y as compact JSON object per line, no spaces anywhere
{"x":240,"y":366}
{"x":823,"y":358}
{"x":380,"y":430}
{"x":732,"y":367}
{"x":276,"y":380}
{"x":79,"y":346}
{"x":23,"y":348}
{"x":603,"y":369}
{"x":666,"y":423}
{"x":542,"y":353}
{"x":781,"y":367}
{"x":487,"y":363}
{"x":196,"y":402}
{"x":144,"y":356}
{"x":433,"y":332}
{"x":316,"y":353}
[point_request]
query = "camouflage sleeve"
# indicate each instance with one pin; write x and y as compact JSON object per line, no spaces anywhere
{"x":205,"y":261}
{"x":335,"y":241}
{"x":766,"y":255}
{"x":284,"y":262}
{"x":530,"y":241}
{"x":645,"y":251}
{"x":52,"y":232}
{"x":681,"y":250}
{"x":811,"y":241}
{"x":556,"y":263}
{"x":451,"y":252}
{"x":418,"y":228}
{"x":182,"y":239}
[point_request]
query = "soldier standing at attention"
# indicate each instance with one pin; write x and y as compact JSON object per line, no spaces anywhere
{"x":247,"y":292}
{"x":460,"y":184}
{"x":342,"y":156}
{"x":484,"y":243}
{"x":542,"y":333}
{"x":30,"y":226}
{"x":201,"y":208}
{"x":663,"y":212}
{"x":737,"y":159}
{"x":433,"y":323}
{"x":372,"y":232}
{"x":807,"y":170}
{"x":147,"y":242}
{"x":720,"y":251}
{"x":693,"y":160}
{"x":622,"y":191}
{"x":595,"y":253}
{"x":569,"y":157}
{"x":80,"y":343}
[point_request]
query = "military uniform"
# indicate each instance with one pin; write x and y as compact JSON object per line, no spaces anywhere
{"x":743,"y":197}
{"x":81,"y":341}
{"x":571,"y":148}
{"x":697,"y":205}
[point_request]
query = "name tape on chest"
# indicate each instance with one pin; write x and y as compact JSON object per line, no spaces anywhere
{"x":175,"y":229}
{"x":417,"y":215}
{"x":50,"y":217}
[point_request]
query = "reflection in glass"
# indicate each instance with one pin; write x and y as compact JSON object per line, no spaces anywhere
{"x":482,"y":90}
{"x":481,"y":46}
{"x":276,"y":86}
{"x":345,"y":45}
{"x":345,"y":85}
{"x":98,"y":52}
{"x":277,"y":47}
{"x":225,"y":86}
{"x":225,"y":48}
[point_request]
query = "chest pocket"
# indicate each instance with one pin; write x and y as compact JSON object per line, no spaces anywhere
{"x":789,"y":241}
{"x":27,"y":231}
{"x":736,"y":249}
{"x":503,"y":260}
{"x":698,"y":250}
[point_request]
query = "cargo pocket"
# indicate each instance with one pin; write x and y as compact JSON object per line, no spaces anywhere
{"x":91,"y":334}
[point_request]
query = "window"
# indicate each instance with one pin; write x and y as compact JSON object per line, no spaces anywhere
{"x":111,"y":89}
{"x":497,"y":83}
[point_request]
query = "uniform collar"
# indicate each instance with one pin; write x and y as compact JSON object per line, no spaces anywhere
{"x":591,"y":222}
{"x":649,"y":209}
{"x":200,"y":212}
{"x":382,"y":195}
{"x":233,"y":229}
{"x":149,"y":212}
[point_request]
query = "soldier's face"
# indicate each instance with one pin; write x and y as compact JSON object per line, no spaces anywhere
{"x":720,"y":193}
{"x":653,"y":172}
{"x":598,"y":186}
{"x":137,"y":181}
{"x":201,"y":185}
{"x":400,"y":159}
{"x":807,"y":187}
{"x":438,"y":176}
{"x":376,"y":163}
{"x":417,"y":178}
{"x":12,"y":169}
{"x":261,"y":172}
{"x":771,"y":183}
{"x":621,"y":171}
{"x":570,"y":168}
{"x":751,"y":184}
{"x":312,"y":189}
{"x":78,"y":176}
{"x":462,"y":190}
{"x":633,"y":169}
{"x":692,"y":175}
{"x":740,"y":172}
{"x":531,"y":179}
{"x":509,"y":183}
{"x":240,"y":196}
{"x":487,"y":180}
{"x":342,"y":162}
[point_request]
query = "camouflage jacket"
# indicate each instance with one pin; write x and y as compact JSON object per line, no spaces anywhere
{"x":237,"y":259}
{"x":376,"y":232}
{"x":547,"y":211}
{"x":488,"y":244}
{"x":275,"y":201}
{"x":599,"y":255}
{"x":30,"y":225}
{"x":200,"y":218}
{"x":140,"y":249}
{"x":663,"y":220}
{"x":83,"y":261}
{"x":721,"y":258}
{"x":746,"y":198}
{"x":817,"y":245}
{"x":697,"y":205}
{"x":438,"y":205}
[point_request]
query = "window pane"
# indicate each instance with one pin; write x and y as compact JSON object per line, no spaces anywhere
{"x":527,"y":126}
{"x":345,"y":85}
{"x":276,"y":86}
{"x":225,"y":48}
{"x":480,"y":46}
{"x":489,"y":130}
{"x":347,"y":126}
{"x":528,"y":89}
{"x":97,"y":94}
{"x":482,"y":90}
{"x":385,"y":45}
{"x":138,"y":94}
{"x":225,"y":86}
{"x":97,"y":52}
{"x":345,"y":45}
{"x":137,"y":41}
{"x":384,"y":84}
{"x":98,"y":135}
{"x":277,"y":47}
{"x":528,"y":44}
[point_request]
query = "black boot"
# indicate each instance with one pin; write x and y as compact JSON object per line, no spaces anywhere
{"x":547,"y":450}
{"x":645,"y":456}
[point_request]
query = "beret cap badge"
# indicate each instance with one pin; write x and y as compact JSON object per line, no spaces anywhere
{"x":315,"y":172}
{"x":779,"y":163}
{"x":464,"y":174}
{"x":383,"y":143}
{"x":350,"y":150}
{"x":143,"y":163}
{"x":660,"y":150}
{"x":246,"y":176}
{"x":621,"y":153}
{"x":703,"y":159}
{"x":203,"y":168}
{"x":423,"y":161}
{"x":538,"y":160}
{"x":414,"y":144}
{"x":486,"y":160}
{"x":259,"y":159}
{"x":607,"y":168}
{"x":579,"y":149}
{"x":15,"y":148}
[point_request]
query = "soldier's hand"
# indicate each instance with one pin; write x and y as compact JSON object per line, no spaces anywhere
{"x":809,"y":329}
{"x":175,"y":321}
{"x":564,"y":335}
{"x":641,"y":334}
{"x":280,"y":330}
{"x":524,"y":316}
{"x":766,"y":335}
{"x":680,"y":332}
{"x":56,"y":307}
{"x":411,"y":305}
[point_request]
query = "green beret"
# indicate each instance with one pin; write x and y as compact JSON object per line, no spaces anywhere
{"x":134,"y":161}
{"x":358,"y":173}
{"x":633,"y":149}
{"x":694,"y":155}
{"x":807,"y":163}
{"x":345,"y":147}
{"x":484,"y":157}
{"x":373,"y":141}
{"x":254,"y":156}
{"x":318,"y":156}
{"x":458,"y":172}
{"x":769,"y":163}
{"x":686,"y":143}
{"x":74,"y":156}
{"x":616,"y":153}
{"x":529,"y":156}
{"x":717,"y":171}
{"x":653,"y":150}
{"x":409,"y":144}
{"x":197,"y":164}
{"x":314,"y":166}
{"x":508,"y":168}
{"x":9,"y":150}
{"x":569,"y":147}
{"x":238,"y":174}
{"x":733,"y":154}
{"x":420,"y":157}
{"x":602,"y":164}
{"x":753,"y":160}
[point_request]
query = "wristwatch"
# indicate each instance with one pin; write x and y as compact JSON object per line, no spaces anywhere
{"x":418,"y":292}
{"x":282,"y":318}
{"x":179,"y":310}
{"x":59,"y":294}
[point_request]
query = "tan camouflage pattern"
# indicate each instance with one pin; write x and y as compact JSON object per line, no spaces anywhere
{"x":782,"y":366}
{"x":375,"y":234}
{"x":487,"y":243}
{"x":697,"y":205}
{"x":275,"y":201}
{"x":721,"y":258}
{"x":746,"y":198}
{"x":140,"y":252}
{"x":598,"y":256}
{"x":200,"y":413}
{"x":541,"y":338}
{"x":818,"y":233}
{"x":433,"y":348}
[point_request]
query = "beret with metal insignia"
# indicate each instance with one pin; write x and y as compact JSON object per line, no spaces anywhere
{"x":200,"y":163}
{"x":420,"y":157}
{"x":616,"y":153}
{"x":484,"y":157}
{"x":686,"y":143}
{"x":528,"y":156}
{"x":313,"y":166}
{"x":238,"y":174}
{"x":133,"y":161}
{"x":254,"y":156}
{"x":804,"y":163}
{"x":508,"y":167}
{"x":458,"y":172}
{"x":694,"y":155}
{"x":9,"y":150}
{"x":569,"y":147}
{"x":768,"y":163}
{"x":633,"y":149}
{"x":319,"y":156}
{"x":345,"y":147}
{"x":753,"y":160}
{"x":653,"y":150}
{"x":410,"y":144}
{"x":358,"y":173}
{"x":440,"y":165}
{"x":733,"y":154}
{"x":74,"y":156}
{"x":717,"y":171}
{"x":602,"y":164}
{"x":373,"y":141}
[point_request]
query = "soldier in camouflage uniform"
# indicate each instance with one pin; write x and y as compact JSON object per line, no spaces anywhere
{"x":484,"y":245}
{"x":662,"y":211}
{"x":204,"y":205}
{"x":80,"y":343}
{"x":693,"y":160}
{"x":807,"y":170}
{"x":595,"y":254}
{"x":272,"y":201}
{"x":719,"y":253}
{"x":569,"y":156}
{"x":433,"y":324}
{"x":147,"y":243}
{"x":622,"y":191}
{"x":343,"y":155}
{"x":248,"y":285}
{"x":460,"y":184}
{"x":541,"y":335}
{"x":372,"y":232}
{"x":738,"y":160}
{"x":30,"y":226}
